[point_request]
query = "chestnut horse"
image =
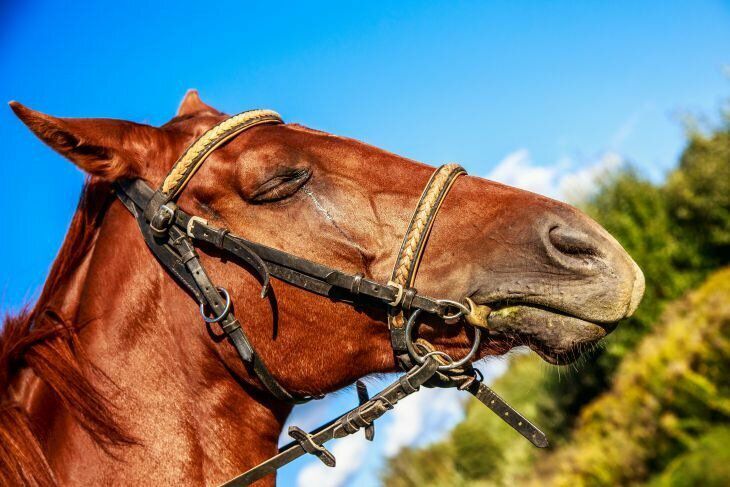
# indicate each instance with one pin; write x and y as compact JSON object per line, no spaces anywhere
{"x":112,"y":377}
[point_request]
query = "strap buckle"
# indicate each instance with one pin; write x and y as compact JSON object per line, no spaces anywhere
{"x":399,"y":296}
{"x":193,"y":220}
{"x":163,"y":219}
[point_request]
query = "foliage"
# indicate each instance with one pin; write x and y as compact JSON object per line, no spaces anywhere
{"x":673,"y":389}
{"x":698,"y":197}
{"x":707,"y":463}
{"x":429,"y":466}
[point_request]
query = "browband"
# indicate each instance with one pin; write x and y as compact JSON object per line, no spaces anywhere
{"x":195,"y":155}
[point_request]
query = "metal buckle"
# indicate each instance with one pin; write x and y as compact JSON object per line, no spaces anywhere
{"x":164,"y":216}
{"x":399,"y":296}
{"x":191,"y":222}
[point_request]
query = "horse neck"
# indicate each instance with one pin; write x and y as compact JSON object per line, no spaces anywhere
{"x":161,"y":371}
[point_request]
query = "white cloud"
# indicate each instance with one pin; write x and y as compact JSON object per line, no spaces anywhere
{"x":350,"y":454}
{"x":408,"y":419}
{"x":517,"y":169}
{"x":581,"y":183}
{"x":562,"y":180}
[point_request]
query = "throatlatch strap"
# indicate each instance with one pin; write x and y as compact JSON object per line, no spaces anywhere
{"x":411,"y":250}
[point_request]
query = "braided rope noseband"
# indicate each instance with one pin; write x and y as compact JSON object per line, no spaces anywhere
{"x":414,"y":242}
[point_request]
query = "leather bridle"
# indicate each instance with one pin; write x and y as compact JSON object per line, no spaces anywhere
{"x":171,"y":234}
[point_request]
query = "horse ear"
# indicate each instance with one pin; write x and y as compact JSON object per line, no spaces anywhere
{"x":106,"y":148}
{"x":191,"y":103}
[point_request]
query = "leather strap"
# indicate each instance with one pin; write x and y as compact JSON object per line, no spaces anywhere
{"x":178,"y":255}
{"x":303,"y":273}
{"x":349,"y":423}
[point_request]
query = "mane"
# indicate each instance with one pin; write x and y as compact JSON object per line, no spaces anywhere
{"x":46,"y":342}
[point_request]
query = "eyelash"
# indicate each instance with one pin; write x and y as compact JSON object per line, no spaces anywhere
{"x":281,"y":186}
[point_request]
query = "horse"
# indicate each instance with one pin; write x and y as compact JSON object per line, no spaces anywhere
{"x":111,"y":377}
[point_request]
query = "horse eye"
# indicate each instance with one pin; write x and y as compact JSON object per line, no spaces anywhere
{"x":281,"y":186}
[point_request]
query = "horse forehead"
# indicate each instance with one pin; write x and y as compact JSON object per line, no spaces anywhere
{"x":288,"y":144}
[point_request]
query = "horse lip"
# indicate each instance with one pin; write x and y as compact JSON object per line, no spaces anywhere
{"x":558,"y":337}
{"x":496,"y":305}
{"x":608,"y":326}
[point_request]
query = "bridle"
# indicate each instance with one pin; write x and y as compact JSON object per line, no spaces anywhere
{"x":171,"y":233}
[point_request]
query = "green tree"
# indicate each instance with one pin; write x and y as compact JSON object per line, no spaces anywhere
{"x":707,"y":463}
{"x":698,"y":196}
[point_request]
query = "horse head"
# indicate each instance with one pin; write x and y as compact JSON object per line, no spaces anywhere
{"x":551,"y":277}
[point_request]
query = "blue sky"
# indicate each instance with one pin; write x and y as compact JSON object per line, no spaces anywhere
{"x":545,"y":95}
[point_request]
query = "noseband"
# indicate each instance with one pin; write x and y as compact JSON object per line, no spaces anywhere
{"x":171,"y":233}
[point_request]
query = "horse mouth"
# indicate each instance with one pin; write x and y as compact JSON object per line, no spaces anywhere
{"x":558,"y":338}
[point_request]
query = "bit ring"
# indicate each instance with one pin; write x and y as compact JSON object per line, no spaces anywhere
{"x":223,"y":313}
{"x":420,"y":359}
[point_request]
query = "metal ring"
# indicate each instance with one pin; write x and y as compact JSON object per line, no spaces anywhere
{"x":223,"y":313}
{"x":420,"y":359}
{"x":463,"y":309}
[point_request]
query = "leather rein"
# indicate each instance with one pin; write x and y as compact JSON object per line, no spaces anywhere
{"x":171,"y":234}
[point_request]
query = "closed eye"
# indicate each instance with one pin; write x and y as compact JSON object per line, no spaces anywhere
{"x":281,"y":186}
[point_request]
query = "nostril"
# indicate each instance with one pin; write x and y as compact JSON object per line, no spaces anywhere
{"x":572,"y":242}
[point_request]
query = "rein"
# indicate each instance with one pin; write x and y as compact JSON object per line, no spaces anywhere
{"x":171,"y":234}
